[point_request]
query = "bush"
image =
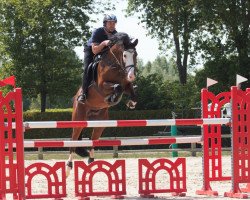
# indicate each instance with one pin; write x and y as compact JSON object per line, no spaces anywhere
{"x":65,"y":115}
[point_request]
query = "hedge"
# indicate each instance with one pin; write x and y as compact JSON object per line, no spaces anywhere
{"x":65,"y":115}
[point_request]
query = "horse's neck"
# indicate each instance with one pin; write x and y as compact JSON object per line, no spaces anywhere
{"x":117,"y":53}
{"x":114,"y":55}
{"x":116,"y":49}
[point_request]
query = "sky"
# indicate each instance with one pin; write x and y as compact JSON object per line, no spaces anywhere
{"x":147,"y":47}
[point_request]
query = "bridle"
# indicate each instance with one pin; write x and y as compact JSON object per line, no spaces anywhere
{"x":118,"y":62}
{"x":114,"y":56}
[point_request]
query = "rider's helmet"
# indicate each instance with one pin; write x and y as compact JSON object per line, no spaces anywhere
{"x":109,"y":17}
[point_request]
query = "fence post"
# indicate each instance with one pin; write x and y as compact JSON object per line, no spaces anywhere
{"x":193,"y":151}
{"x":174,"y":146}
{"x":115,"y":153}
{"x":40,"y":153}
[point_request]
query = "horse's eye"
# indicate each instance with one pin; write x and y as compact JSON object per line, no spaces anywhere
{"x":124,"y":56}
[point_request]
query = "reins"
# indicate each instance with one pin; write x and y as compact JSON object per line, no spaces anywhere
{"x":114,"y":56}
{"x":117,"y":62}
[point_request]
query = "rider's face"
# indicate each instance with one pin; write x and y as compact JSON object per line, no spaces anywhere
{"x":110,"y":26}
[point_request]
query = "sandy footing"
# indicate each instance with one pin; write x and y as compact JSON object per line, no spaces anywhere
{"x":194,"y":180}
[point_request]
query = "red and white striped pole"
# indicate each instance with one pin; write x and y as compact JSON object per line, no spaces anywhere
{"x":122,"y":142}
{"x":125,"y":123}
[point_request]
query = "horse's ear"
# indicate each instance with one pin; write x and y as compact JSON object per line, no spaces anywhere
{"x":134,"y":42}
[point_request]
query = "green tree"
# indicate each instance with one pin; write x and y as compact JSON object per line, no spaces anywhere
{"x":222,"y":69}
{"x":39,"y":37}
{"x":151,"y":92}
{"x":173,"y":22}
{"x":165,"y":69}
{"x":225,"y":40}
{"x":183,"y":98}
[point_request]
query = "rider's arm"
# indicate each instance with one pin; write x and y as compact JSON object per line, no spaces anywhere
{"x":97,"y":48}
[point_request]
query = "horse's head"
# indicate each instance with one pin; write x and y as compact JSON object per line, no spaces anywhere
{"x":129,"y":59}
{"x":125,"y":53}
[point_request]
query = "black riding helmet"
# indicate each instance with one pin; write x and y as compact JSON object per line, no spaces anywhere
{"x":109,"y":17}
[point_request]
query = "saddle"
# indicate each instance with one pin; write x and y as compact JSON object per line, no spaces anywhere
{"x":92,"y":69}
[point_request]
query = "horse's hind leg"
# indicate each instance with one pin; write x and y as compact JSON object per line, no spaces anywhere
{"x":79,"y":114}
{"x":97,"y":132}
{"x":75,"y":136}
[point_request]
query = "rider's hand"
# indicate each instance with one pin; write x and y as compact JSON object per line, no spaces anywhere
{"x":105,"y":43}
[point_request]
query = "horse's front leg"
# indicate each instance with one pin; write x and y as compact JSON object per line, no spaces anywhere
{"x":113,"y":91}
{"x":130,"y":90}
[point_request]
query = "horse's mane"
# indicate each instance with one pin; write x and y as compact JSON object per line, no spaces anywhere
{"x":121,"y":37}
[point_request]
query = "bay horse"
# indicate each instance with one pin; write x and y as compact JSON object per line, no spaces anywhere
{"x":112,"y":77}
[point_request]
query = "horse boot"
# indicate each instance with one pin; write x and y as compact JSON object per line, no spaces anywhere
{"x":81,"y":151}
{"x":90,"y":160}
{"x":82,"y":98}
{"x":117,"y":88}
{"x":69,"y":166}
{"x":117,"y":93}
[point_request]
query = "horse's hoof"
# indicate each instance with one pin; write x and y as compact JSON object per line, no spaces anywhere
{"x":69,"y":168}
{"x":135,"y":87}
{"x":90,"y":160}
{"x":131,"y":104}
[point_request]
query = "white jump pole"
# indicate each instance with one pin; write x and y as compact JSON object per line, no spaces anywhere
{"x":122,"y":142}
{"x":124,"y":123}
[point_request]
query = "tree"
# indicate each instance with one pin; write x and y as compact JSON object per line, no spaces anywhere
{"x":222,"y":69}
{"x":165,"y":69}
{"x":39,"y":37}
{"x":165,"y":18}
{"x":226,"y":33}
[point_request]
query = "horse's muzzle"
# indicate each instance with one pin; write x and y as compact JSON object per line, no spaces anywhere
{"x":131,"y":73}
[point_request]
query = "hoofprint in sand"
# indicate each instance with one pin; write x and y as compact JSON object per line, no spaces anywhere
{"x":193,"y":170}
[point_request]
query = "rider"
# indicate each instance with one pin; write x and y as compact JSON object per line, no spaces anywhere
{"x":98,"y":40}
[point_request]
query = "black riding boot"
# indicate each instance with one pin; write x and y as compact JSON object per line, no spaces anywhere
{"x":88,"y":59}
{"x":83,"y":96}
